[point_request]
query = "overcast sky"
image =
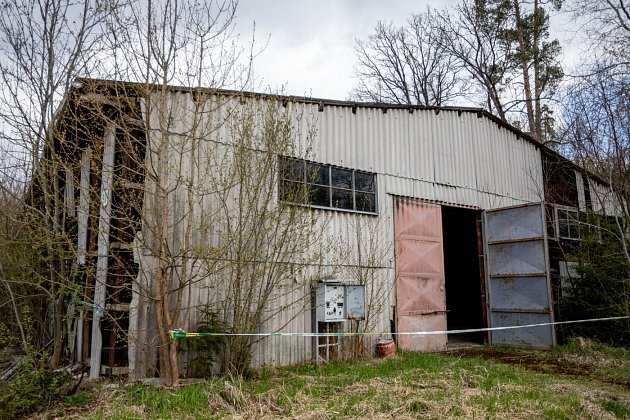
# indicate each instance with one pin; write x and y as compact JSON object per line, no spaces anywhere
{"x":310,"y":50}
{"x":311,"y":42}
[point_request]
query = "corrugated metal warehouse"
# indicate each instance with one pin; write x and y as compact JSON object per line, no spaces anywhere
{"x":440,"y":216}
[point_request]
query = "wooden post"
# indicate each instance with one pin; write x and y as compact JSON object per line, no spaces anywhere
{"x":100,"y":286}
{"x":83,"y":209}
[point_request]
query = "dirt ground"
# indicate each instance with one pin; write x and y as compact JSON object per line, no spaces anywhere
{"x":593,"y":366}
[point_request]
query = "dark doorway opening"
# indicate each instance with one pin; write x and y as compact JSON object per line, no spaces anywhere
{"x":465,"y":290}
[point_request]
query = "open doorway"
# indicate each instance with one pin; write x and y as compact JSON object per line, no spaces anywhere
{"x":465,"y":290}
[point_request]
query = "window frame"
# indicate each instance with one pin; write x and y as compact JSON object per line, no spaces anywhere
{"x":571,"y":223}
{"x":285,"y":161}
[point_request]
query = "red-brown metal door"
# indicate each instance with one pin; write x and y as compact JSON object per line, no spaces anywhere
{"x":420,"y":292}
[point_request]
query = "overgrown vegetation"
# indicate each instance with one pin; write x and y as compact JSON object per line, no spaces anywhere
{"x":28,"y":383}
{"x":32,"y":388}
{"x":602,"y":286}
{"x":204,"y":349}
{"x":481,"y":383}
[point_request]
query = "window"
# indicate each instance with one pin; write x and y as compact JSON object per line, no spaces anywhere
{"x":568,"y":272}
{"x":326,"y":186}
{"x":567,"y":224}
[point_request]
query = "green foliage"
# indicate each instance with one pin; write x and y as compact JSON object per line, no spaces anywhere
{"x":32,"y":388}
{"x":619,"y":409}
{"x":80,"y":398}
{"x":7,"y":337}
{"x":603,"y":288}
{"x":205,"y":349}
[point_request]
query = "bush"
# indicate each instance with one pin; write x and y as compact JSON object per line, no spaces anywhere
{"x":204,"y":350}
{"x":31,"y":389}
{"x":602,"y":289}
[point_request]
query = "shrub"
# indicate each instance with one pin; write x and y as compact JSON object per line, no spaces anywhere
{"x":32,"y":388}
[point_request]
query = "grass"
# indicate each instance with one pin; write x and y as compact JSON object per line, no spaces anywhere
{"x":487,"y":383}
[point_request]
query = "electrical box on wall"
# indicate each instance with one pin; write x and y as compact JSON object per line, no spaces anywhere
{"x":336,"y":302}
{"x":329,"y":299}
{"x":355,"y":302}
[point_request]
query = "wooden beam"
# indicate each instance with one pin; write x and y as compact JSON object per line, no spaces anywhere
{"x":97,"y":98}
{"x":71,"y":210}
{"x":131,"y":185}
{"x":83,"y":209}
{"x":100,"y":284}
{"x":133,"y":121}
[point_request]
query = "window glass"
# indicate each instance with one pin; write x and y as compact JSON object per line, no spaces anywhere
{"x":365,"y":202}
{"x":364,"y":182}
{"x":292,"y":169}
{"x":326,"y":186}
{"x":341,"y":178}
{"x":317,"y":174}
{"x":319,"y":196}
{"x":563,"y":227}
{"x":342,"y":199}
{"x":292,"y":191}
{"x":568,"y":224}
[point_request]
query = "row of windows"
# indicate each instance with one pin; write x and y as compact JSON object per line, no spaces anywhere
{"x":327,"y":186}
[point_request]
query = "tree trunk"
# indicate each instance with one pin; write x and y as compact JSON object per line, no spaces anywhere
{"x":525,"y":68}
{"x":537,"y":84}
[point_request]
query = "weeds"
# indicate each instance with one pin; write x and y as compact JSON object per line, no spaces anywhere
{"x":409,"y":385}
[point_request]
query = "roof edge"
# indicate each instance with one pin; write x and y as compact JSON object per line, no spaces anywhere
{"x":479,"y":112}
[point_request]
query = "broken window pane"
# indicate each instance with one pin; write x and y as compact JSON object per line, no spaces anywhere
{"x":568,"y":224}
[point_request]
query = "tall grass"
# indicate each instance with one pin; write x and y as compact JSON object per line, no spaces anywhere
{"x":410,"y":385}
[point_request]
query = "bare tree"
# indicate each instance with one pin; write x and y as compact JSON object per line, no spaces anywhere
{"x":370,"y":266}
{"x":407,"y":65}
{"x":260,"y":246}
{"x":597,"y":130}
{"x":504,"y":47}
{"x":473,"y":36}
{"x":495,"y":52}
{"x":596,"y":135}
{"x":159,"y":44}
{"x":606,"y":30}
{"x":43,"y":45}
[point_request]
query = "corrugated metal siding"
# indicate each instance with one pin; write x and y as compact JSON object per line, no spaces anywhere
{"x":579,"y":184}
{"x":603,"y":199}
{"x":447,"y":157}
{"x":454,"y":158}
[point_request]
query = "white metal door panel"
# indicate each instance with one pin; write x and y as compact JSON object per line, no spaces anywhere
{"x":517,"y":275}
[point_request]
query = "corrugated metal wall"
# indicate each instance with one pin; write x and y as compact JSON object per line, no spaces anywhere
{"x":460,"y":159}
{"x":603,"y":199}
{"x":451,"y":157}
